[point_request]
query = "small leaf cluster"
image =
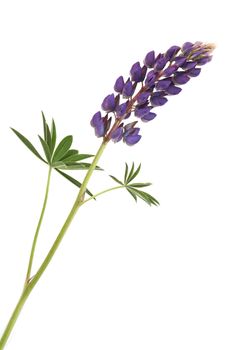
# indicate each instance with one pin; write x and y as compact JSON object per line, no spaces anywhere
{"x":60,"y":157}
{"x":134,"y":187}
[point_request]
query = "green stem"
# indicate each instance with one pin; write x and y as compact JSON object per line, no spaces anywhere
{"x":28,"y":275}
{"x":26,"y":292}
{"x":102,"y":192}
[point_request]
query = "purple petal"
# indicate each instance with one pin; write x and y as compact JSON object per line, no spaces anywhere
{"x":187,"y":47}
{"x":117,"y":134}
{"x":149,"y":60}
{"x":189,"y":65}
{"x":204,"y":60}
{"x":100,"y":129}
{"x":170,"y":70}
{"x":121,"y":109}
{"x":181,"y":78}
{"x":128,"y":89}
{"x":163,"y":84}
{"x":197,"y":53}
{"x":180,"y":60}
{"x":150,"y":79}
{"x":143,"y":97}
{"x":119,"y":84}
{"x":108,"y":103}
{"x":132,"y":139}
{"x":158,"y":99}
{"x":171,"y":52}
{"x":194,"y":72}
{"x":160,"y":63}
{"x":131,"y":126}
{"x":136,"y":72}
{"x":95,"y":120}
{"x":131,"y":131}
{"x":141,"y":111}
{"x":148,"y":117}
{"x":173,"y":90}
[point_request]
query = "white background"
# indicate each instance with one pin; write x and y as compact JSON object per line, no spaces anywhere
{"x":127,"y":277}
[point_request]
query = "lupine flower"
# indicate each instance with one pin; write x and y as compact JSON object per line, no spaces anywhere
{"x":148,"y":87}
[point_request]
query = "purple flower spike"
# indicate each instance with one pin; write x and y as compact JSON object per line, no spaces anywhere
{"x":143,"y":98}
{"x":149,"y":60}
{"x":173,"y":90}
{"x":148,"y":117}
{"x":158,"y":99}
{"x":128,"y":89}
{"x":181,"y":78}
{"x":119,"y":84}
{"x":136,"y":72}
{"x":160,"y":76}
{"x":172,"y":52}
{"x":108,"y":103}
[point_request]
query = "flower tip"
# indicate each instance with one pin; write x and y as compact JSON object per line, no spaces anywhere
{"x":211,"y":47}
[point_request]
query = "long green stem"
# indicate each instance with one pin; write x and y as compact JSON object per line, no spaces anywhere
{"x":28,"y":275}
{"x":48,"y":258}
{"x":102,"y":192}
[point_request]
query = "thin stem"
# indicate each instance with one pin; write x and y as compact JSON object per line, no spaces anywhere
{"x":26,"y":292}
{"x":28,"y":275}
{"x":102,"y":192}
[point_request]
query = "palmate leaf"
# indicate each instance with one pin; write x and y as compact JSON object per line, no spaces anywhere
{"x":28,"y":144}
{"x":133,"y":188}
{"x":63,"y":158}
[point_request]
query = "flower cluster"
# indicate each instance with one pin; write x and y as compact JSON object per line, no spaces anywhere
{"x":147,"y":88}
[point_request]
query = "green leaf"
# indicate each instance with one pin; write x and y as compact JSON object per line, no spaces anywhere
{"x":44,"y":126}
{"x":145,"y":196}
{"x":28,"y":144}
{"x":77,"y":166}
{"x":126,"y":173}
{"x":132,"y":193}
{"x":46,"y":149}
{"x":139,"y":184}
{"x":74,"y":181}
{"x":115,"y":179}
{"x":71,"y":152}
{"x":130,"y":173}
{"x":76,"y":157}
{"x":133,"y":175}
{"x":53,"y":136}
{"x":47,"y":134}
{"x":49,"y":139}
{"x":62,"y":148}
